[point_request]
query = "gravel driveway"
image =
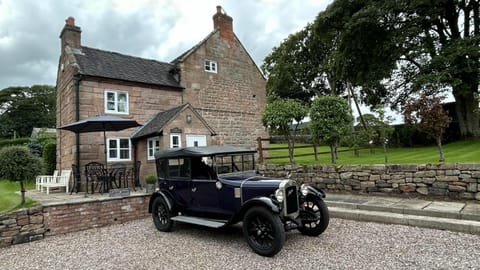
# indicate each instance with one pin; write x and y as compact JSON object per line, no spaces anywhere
{"x":345,"y":245}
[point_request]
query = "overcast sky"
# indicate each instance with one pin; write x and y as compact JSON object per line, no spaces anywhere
{"x":154,"y":29}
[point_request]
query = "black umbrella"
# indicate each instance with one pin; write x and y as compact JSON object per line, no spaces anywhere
{"x":101,"y":123}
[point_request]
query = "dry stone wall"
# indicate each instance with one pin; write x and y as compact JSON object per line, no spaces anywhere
{"x":454,"y":181}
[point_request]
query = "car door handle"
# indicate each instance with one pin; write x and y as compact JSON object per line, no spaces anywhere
{"x":194,"y":189}
{"x":170,"y":187}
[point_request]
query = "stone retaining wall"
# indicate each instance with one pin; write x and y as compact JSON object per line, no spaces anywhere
{"x":35,"y":223}
{"x":21,"y":226}
{"x":454,"y":181}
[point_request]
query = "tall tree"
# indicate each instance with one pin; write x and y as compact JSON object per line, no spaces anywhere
{"x":428,"y":115}
{"x":392,"y":49}
{"x":331,"y":119}
{"x":280,"y":115}
{"x":22,"y":108}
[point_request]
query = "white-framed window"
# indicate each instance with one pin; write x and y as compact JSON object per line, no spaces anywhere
{"x":175,"y":140}
{"x":210,"y":66}
{"x":118,"y":149}
{"x":153,"y":145}
{"x":116,"y":102}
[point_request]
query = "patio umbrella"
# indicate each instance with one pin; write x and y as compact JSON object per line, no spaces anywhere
{"x":101,"y":123}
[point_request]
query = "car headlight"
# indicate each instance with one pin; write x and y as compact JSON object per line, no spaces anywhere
{"x":304,"y":189}
{"x":279,"y":195}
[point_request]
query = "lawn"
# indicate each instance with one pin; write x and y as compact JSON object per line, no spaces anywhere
{"x":461,"y":152}
{"x":10,"y":195}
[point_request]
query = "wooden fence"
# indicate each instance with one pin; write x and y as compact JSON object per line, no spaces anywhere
{"x":315,"y":153}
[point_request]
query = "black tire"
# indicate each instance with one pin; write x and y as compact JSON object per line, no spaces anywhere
{"x":314,"y":216}
{"x":162,"y":215}
{"x":263,"y":231}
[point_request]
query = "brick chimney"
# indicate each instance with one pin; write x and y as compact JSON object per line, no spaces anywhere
{"x":224,"y":24}
{"x":71,"y":34}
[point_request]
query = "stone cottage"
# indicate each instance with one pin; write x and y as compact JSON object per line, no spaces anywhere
{"x":213,"y":94}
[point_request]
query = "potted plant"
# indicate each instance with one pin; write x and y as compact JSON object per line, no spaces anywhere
{"x":150,"y":180}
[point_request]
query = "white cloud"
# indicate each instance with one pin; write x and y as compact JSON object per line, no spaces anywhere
{"x":158,"y":29}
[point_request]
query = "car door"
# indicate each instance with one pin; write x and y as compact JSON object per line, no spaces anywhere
{"x":204,"y":192}
{"x":179,"y":181}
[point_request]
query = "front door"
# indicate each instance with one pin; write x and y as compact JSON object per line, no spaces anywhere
{"x":196,"y":140}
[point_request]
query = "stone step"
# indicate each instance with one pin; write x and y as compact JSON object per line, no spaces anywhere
{"x":440,"y":223}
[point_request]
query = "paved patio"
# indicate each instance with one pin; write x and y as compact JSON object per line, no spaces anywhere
{"x":60,"y":197}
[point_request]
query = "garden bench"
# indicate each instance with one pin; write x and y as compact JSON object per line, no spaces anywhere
{"x":59,"y":181}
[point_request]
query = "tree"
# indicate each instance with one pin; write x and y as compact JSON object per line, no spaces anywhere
{"x":280,"y":115}
{"x":18,"y":164}
{"x":427,"y":115}
{"x":330,"y":120}
{"x":22,"y":108}
{"x":392,"y":49}
{"x":299,"y":67}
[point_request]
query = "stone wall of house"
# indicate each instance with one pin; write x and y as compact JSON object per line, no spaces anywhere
{"x":233,"y":99}
{"x":454,"y":181}
{"x":144,"y":102}
{"x":35,"y":223}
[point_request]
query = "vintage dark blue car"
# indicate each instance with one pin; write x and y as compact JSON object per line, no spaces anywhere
{"x":217,"y":186}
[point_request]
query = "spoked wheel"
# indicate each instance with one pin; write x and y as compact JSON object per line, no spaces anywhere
{"x":263,"y":231}
{"x":161,"y":215}
{"x":314,"y":216}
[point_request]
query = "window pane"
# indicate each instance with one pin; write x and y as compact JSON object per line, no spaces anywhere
{"x":124,"y":154}
{"x":112,"y":153}
{"x":124,"y":143}
{"x":112,"y":143}
{"x":122,"y":98}
{"x":111,"y":106}
{"x":111,"y":96}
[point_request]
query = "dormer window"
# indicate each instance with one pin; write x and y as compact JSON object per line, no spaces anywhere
{"x":210,"y":66}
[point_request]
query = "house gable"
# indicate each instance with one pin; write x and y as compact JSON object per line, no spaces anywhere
{"x":156,"y":125}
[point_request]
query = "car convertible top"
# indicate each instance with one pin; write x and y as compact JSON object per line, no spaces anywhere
{"x":201,"y":151}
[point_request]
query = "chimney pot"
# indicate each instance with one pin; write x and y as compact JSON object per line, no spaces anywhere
{"x":70,"y":21}
{"x":219,"y":9}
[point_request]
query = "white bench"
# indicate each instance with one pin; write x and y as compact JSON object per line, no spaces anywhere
{"x":40,"y":179}
{"x":59,"y":181}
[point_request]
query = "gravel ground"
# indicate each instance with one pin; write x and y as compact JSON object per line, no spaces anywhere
{"x":344,"y":245}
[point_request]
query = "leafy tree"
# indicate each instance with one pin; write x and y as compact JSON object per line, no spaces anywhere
{"x":280,"y":115}
{"x":330,"y":120}
{"x":18,"y":164}
{"x":22,"y":108}
{"x":384,"y":129}
{"x":299,"y":67}
{"x":427,"y":115}
{"x":392,"y":49}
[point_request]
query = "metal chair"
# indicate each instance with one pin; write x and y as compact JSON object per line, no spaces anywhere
{"x":98,"y":176}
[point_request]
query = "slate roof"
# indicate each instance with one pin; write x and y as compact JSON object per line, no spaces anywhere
{"x":112,"y":65}
{"x":155,"y":125}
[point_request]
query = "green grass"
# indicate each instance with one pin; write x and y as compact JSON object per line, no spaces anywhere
{"x":10,"y":195}
{"x":456,"y":152}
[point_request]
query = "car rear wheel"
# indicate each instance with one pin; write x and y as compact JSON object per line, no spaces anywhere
{"x":314,"y":216}
{"x":161,"y":215}
{"x":263,"y":231}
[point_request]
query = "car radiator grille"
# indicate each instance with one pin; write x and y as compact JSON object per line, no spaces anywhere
{"x":291,"y":199}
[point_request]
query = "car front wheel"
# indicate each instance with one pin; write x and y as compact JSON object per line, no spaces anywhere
{"x":314,"y":216}
{"x":161,"y":215}
{"x":263,"y":231}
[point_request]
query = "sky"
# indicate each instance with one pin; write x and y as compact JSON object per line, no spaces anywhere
{"x":152,"y":29}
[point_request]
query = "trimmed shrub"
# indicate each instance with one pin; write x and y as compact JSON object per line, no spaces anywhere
{"x":12,"y":142}
{"x":50,"y":157}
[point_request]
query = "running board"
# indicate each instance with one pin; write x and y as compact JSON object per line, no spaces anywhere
{"x":199,"y":221}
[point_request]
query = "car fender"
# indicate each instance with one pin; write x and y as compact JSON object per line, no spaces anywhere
{"x":159,"y":194}
{"x":316,"y":191}
{"x":259,"y":201}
